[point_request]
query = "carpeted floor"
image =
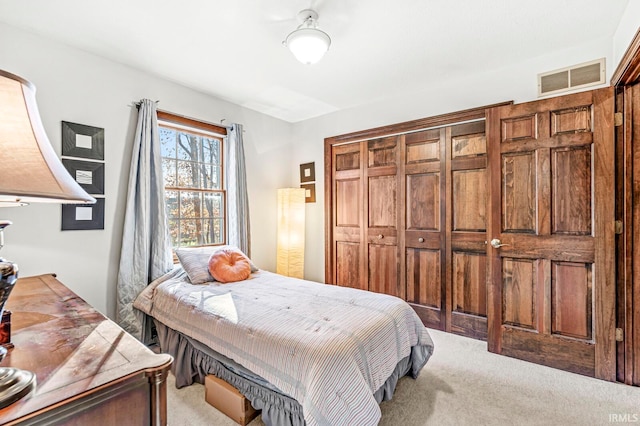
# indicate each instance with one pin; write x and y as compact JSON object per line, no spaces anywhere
{"x":463,"y":384}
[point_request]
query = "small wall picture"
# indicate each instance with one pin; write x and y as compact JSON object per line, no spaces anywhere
{"x":309,"y":192}
{"x":307,"y":172}
{"x":83,"y":216}
{"x":82,"y":141}
{"x":89,"y":174}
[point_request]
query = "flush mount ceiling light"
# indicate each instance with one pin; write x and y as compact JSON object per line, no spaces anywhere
{"x":307,"y":43}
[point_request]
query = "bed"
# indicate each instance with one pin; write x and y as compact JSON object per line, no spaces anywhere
{"x":303,"y":352}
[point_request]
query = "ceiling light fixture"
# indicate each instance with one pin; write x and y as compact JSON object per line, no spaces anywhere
{"x":307,"y":43}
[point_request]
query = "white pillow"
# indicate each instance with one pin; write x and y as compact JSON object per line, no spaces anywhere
{"x":195,"y":262}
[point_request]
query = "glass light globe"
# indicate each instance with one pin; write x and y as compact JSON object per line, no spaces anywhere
{"x":308,"y":45}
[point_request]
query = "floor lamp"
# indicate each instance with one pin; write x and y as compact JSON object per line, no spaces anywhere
{"x":30,"y":172}
{"x":290,"y":249}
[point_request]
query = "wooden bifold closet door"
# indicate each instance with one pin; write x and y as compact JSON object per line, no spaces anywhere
{"x":409,"y":219}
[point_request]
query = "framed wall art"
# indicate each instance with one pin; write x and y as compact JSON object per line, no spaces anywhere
{"x":89,"y":174}
{"x":83,"y":216}
{"x":82,"y":141}
{"x":309,"y":192}
{"x":307,"y":172}
{"x":83,"y":157}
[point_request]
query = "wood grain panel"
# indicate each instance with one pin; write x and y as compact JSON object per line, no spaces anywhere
{"x":423,"y":277}
{"x":382,"y":201}
{"x":518,"y":128}
{"x":469,"y":325}
{"x":549,"y":350}
{"x":382,"y":152}
{"x":423,"y":152}
{"x":571,"y":197}
{"x":519,"y":293}
{"x":519,"y":192}
{"x":468,"y":145}
{"x":469,"y":200}
{"x":348,"y":265}
{"x":571,"y":300}
{"x":423,"y":201}
{"x":348,"y":161}
{"x":347,"y":202}
{"x":470,"y":283}
{"x":572,"y":120}
{"x":421,"y":147}
{"x":383,"y":269}
{"x":561,"y":141}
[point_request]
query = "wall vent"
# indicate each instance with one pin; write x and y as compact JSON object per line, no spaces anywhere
{"x":573,"y":77}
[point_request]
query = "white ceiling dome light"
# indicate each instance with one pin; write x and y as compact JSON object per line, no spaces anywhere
{"x":307,"y":43}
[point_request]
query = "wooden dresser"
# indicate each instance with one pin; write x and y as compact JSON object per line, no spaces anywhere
{"x":89,"y":370}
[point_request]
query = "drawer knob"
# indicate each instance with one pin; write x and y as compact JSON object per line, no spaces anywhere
{"x":421,"y":240}
{"x":380,"y":236}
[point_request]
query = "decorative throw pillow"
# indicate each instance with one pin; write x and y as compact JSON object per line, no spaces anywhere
{"x":228,"y":266}
{"x":195,"y":262}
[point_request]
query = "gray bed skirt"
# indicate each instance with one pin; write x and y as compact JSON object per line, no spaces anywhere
{"x":193,"y":361}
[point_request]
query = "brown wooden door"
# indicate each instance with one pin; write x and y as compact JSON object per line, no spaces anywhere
{"x":348,"y":252}
{"x":466,"y":233}
{"x":423,"y":185}
{"x":629,"y":253}
{"x":551,"y":272}
{"x":381,"y":215}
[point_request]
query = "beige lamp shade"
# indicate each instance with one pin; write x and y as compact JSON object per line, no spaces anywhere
{"x":30,"y":170}
{"x":290,"y":250}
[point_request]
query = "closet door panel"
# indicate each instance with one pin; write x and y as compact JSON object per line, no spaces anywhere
{"x":382,"y":216}
{"x":423,"y":224}
{"x":467,"y":229}
{"x":348,"y":227}
{"x":348,"y":268}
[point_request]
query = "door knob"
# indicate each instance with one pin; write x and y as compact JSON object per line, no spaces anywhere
{"x":496,"y":243}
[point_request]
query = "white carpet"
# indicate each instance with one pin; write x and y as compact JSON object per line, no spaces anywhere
{"x":463,"y":384}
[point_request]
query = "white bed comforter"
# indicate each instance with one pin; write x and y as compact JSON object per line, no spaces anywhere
{"x":328,"y":347}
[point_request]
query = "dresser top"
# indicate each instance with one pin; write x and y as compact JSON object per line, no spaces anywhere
{"x":72,"y":348}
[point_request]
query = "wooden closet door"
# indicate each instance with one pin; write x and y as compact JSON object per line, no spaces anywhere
{"x":467,"y":199}
{"x":381,"y":199}
{"x":423,"y":186}
{"x":347,"y":210}
{"x":551,"y":269}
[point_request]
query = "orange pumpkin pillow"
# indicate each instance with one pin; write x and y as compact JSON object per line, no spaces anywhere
{"x":227,"y":266}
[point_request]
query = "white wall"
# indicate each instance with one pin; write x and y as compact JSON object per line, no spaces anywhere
{"x":627,"y":29}
{"x":81,"y":88}
{"x":517,"y":83}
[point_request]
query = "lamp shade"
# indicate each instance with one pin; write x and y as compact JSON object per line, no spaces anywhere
{"x":30,"y":170}
{"x":290,"y":232}
{"x":308,"y":45}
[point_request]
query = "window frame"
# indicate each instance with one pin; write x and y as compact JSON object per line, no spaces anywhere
{"x":200,"y":128}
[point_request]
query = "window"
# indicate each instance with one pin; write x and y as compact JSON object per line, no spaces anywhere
{"x":192,"y":166}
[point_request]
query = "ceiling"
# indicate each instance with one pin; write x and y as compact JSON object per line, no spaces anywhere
{"x":233,"y":49}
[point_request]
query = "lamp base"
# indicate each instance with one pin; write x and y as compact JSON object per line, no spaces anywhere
{"x":15,"y":384}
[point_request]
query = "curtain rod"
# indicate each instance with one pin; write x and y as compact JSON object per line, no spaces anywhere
{"x":137,"y":105}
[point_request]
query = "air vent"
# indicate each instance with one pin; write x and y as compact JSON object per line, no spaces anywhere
{"x":570,"y":78}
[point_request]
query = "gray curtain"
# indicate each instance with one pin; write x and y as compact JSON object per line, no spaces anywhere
{"x":146,"y":244}
{"x":238,"y":227}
